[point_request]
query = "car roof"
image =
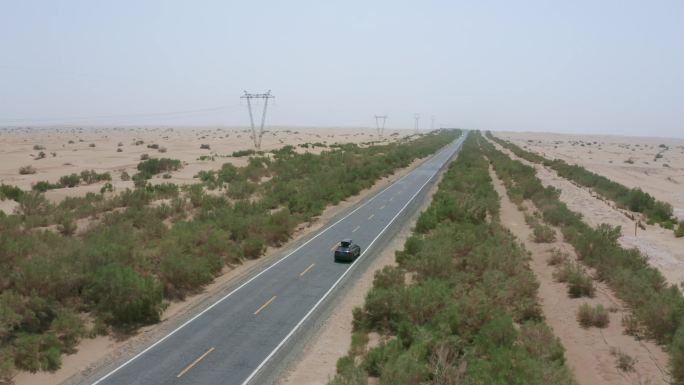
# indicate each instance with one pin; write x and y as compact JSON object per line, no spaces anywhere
{"x":347,"y":240}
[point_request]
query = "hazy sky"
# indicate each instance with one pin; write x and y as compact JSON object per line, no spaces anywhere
{"x":595,"y":66}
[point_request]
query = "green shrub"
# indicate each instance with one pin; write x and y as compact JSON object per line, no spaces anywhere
{"x":71,"y":180}
{"x":66,"y":224}
{"x":680,"y":230}
{"x":10,"y":192}
{"x":68,"y":327}
{"x":252,"y":247}
{"x":43,"y":186}
{"x":148,"y":168}
{"x":34,"y":352}
{"x":676,"y":351}
{"x":241,"y":153}
{"x":580,"y":284}
{"x":6,"y":364}
{"x":90,"y":176}
{"x":557,"y":257}
{"x":543,"y":234}
{"x":589,"y":316}
{"x":124,"y":297}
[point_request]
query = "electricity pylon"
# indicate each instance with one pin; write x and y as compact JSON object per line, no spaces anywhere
{"x":380,"y":127}
{"x":256,"y":136}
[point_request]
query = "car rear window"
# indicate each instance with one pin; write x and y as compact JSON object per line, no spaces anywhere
{"x":345,"y":243}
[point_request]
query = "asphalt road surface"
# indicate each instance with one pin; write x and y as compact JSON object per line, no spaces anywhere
{"x":235,"y":339}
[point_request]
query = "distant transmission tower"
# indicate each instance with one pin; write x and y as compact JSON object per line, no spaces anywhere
{"x":256,"y":136}
{"x":416,"y":116}
{"x":432,"y":123}
{"x":380,"y":127}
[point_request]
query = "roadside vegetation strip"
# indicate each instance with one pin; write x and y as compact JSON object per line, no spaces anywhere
{"x":60,"y":286}
{"x":658,"y":309}
{"x":633,"y":199}
{"x":461,"y":306}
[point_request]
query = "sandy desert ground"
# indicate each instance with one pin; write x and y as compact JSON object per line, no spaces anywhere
{"x":656,"y":165}
{"x":664,"y":251}
{"x":72,"y":150}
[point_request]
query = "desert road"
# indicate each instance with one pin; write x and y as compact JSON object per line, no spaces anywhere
{"x":235,"y":339}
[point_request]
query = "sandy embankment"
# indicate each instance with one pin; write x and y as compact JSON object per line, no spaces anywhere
{"x":73,"y":152}
{"x":588,"y":351}
{"x":664,"y":251}
{"x":93,"y":353}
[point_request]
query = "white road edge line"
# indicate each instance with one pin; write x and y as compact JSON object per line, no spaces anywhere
{"x":299,"y":324}
{"x":258,"y":275}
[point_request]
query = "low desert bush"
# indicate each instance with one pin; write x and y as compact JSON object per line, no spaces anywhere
{"x":680,"y":230}
{"x":71,"y":180}
{"x":557,"y":257}
{"x":579,"y":283}
{"x":623,"y":361}
{"x":27,"y":170}
{"x":241,"y":153}
{"x":543,"y":234}
{"x":589,"y":316}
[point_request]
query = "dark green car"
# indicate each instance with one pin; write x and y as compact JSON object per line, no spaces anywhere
{"x":347,"y":251}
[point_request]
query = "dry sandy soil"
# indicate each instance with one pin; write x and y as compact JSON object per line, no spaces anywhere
{"x":68,"y":150}
{"x":590,"y":352}
{"x":630,"y":161}
{"x":92,"y":353}
{"x":664,"y":251}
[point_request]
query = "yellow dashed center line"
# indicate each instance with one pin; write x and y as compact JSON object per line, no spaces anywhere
{"x":334,"y":247}
{"x":371,"y":217}
{"x":307,"y":269}
{"x":200,"y":358}
{"x":356,"y":228}
{"x":264,"y":305}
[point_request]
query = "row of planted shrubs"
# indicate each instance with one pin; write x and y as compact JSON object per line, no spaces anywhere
{"x":73,"y":180}
{"x":461,"y":305}
{"x":144,"y":247}
{"x":657,"y":308}
{"x":634,"y":199}
{"x":305,"y":183}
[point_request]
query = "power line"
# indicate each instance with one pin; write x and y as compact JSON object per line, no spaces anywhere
{"x":257,"y":137}
{"x":114,"y":116}
{"x":380,"y":127}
